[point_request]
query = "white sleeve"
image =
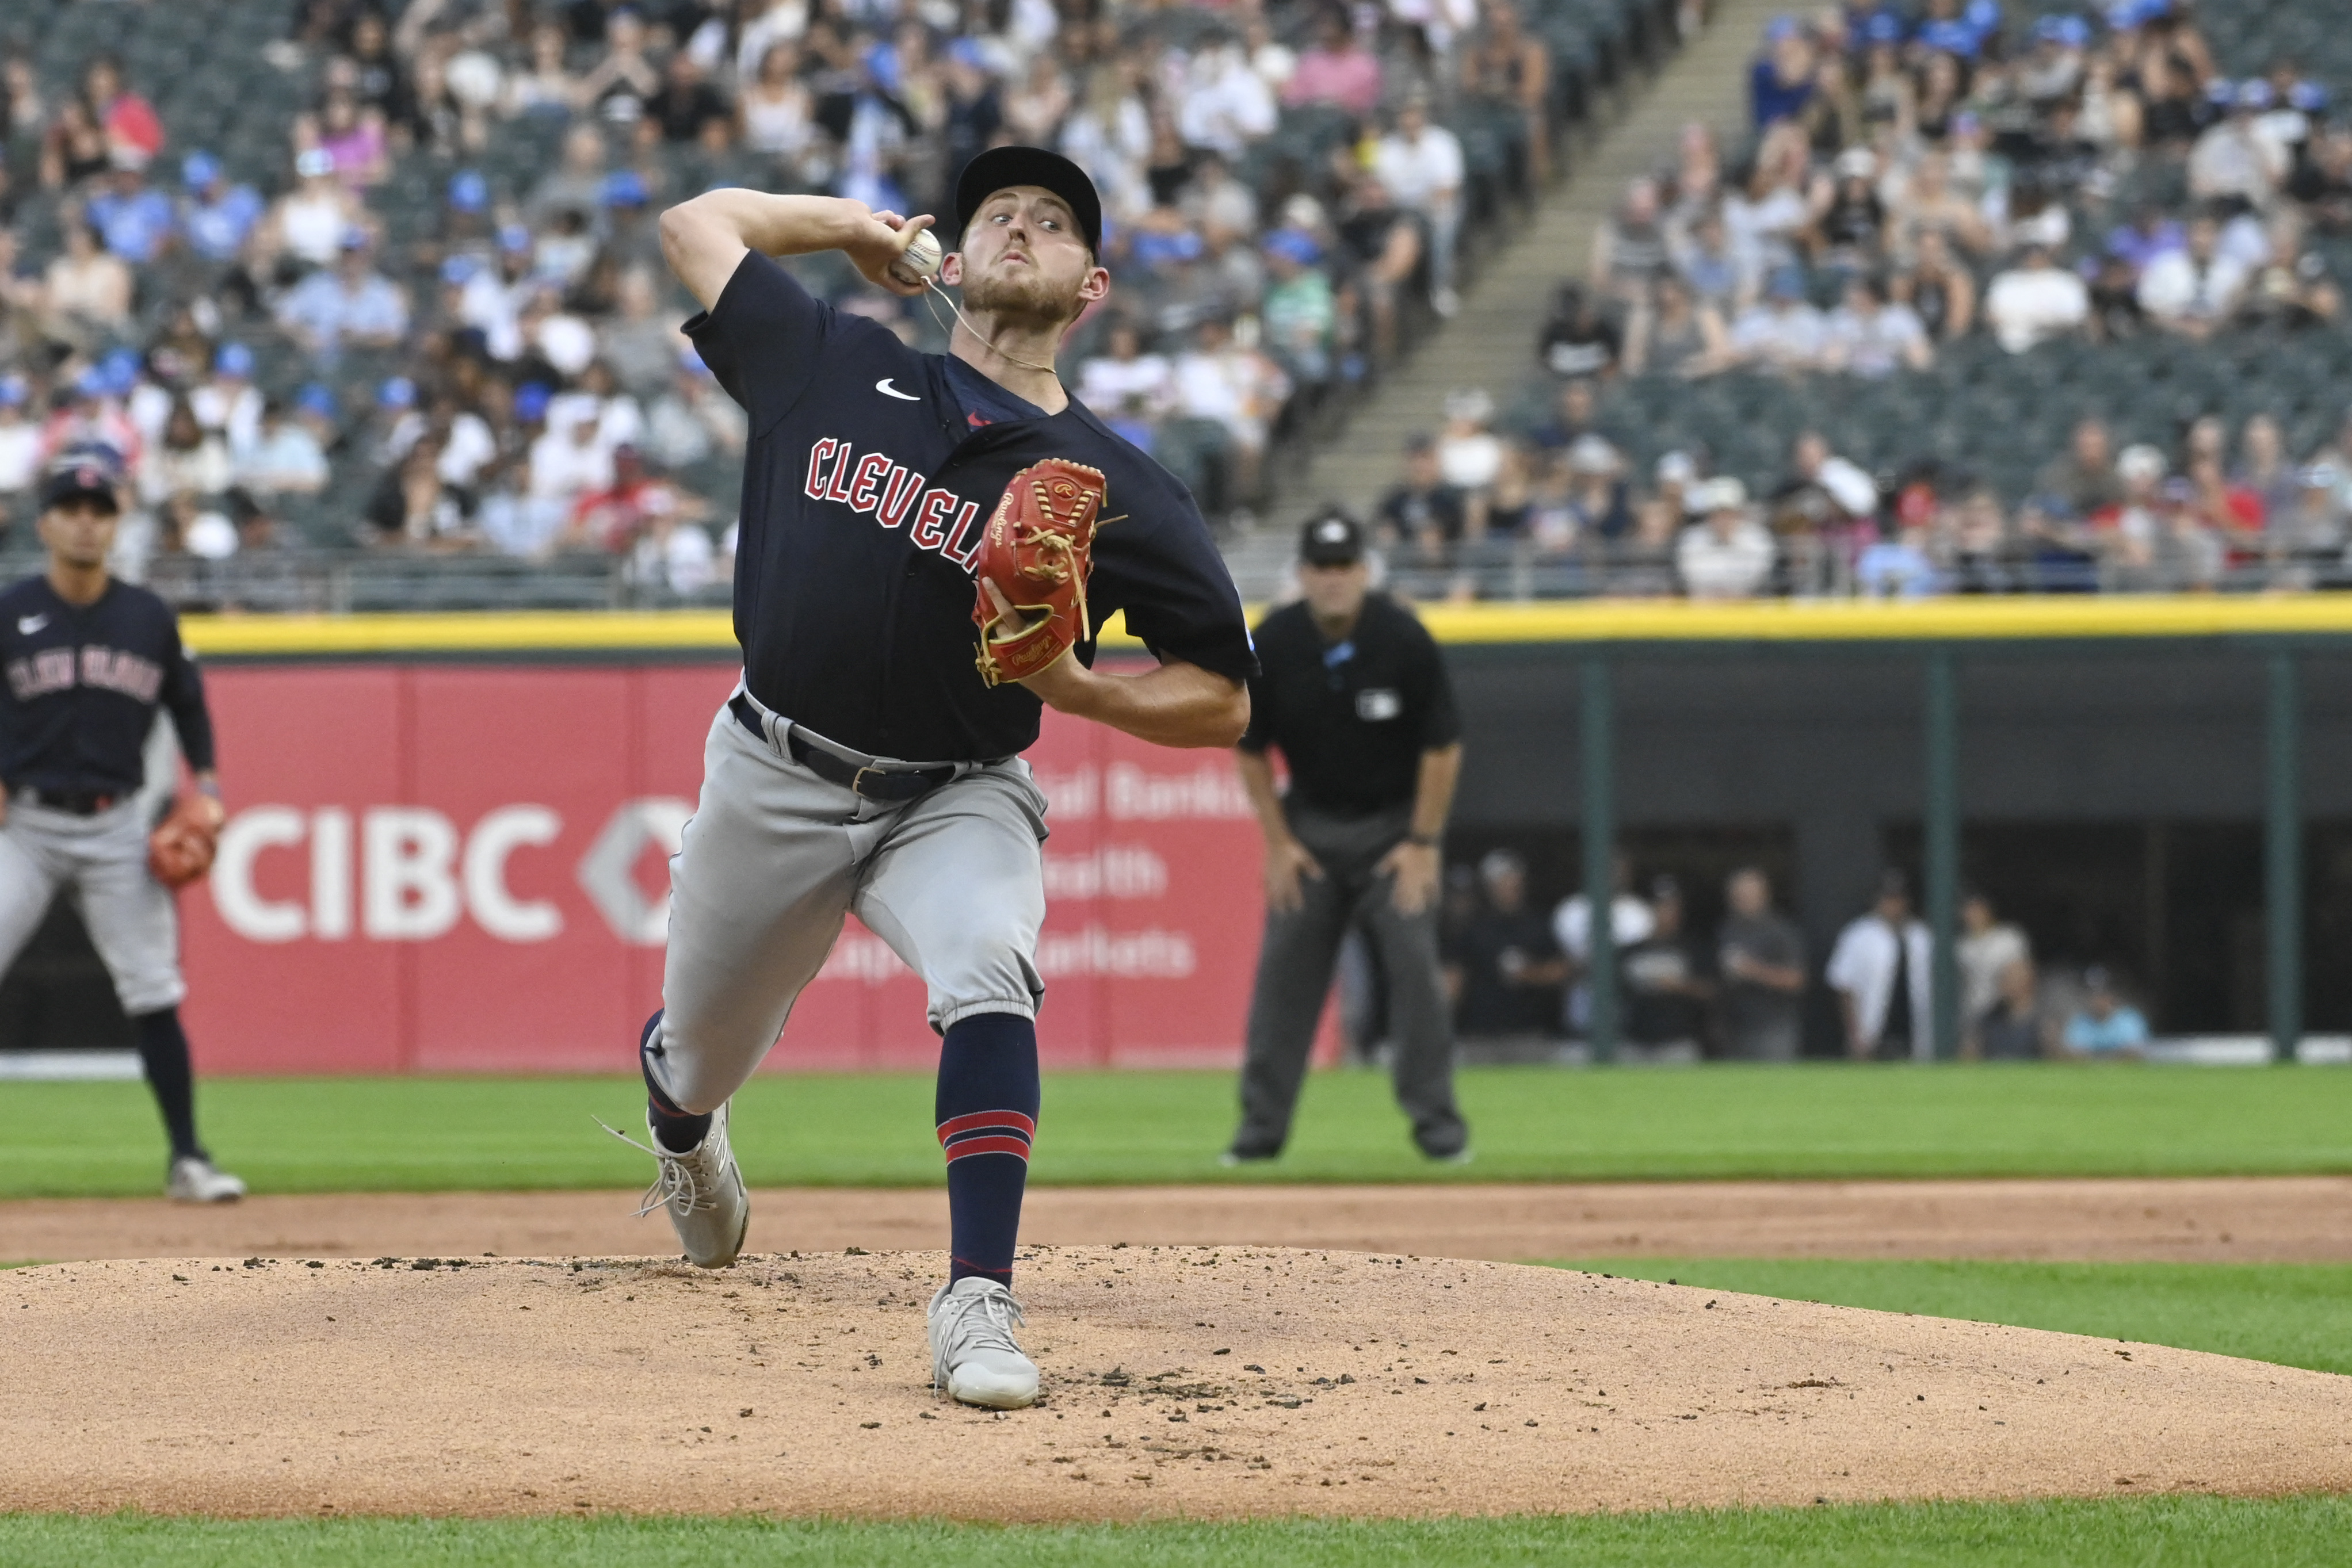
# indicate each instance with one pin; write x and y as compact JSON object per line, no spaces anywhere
{"x":1848,"y":969}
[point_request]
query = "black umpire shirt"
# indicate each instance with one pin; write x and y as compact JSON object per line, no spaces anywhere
{"x":83,"y":684}
{"x":1351,"y":719}
{"x":866,"y":486}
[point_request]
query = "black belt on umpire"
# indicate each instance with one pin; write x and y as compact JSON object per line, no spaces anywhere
{"x":883,"y":778}
{"x":73,"y":802}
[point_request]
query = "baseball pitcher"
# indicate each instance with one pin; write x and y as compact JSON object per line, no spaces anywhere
{"x":89,"y":662}
{"x":926,"y":541}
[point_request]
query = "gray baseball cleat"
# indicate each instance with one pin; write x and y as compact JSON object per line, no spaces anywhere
{"x":703,"y":1192}
{"x":192,"y":1179}
{"x":974,"y":1356}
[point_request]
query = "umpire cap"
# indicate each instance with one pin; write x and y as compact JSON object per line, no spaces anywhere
{"x":998,"y":167}
{"x":86,"y":474}
{"x":1331,"y":538}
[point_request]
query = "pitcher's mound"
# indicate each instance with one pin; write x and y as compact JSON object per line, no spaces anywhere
{"x":1195,"y":1381}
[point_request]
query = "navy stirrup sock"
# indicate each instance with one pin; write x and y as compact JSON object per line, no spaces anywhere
{"x":163,"y":1052}
{"x":677,"y":1131}
{"x":987,"y":1114}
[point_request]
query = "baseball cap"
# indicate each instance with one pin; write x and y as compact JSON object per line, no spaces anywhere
{"x":998,"y":167}
{"x":531,"y":400}
{"x":198,"y":170}
{"x":14,"y":390}
{"x":89,"y":473}
{"x":233,"y":359}
{"x":1298,"y":247}
{"x":625,"y":188}
{"x":1883,"y":28}
{"x":397,"y":391}
{"x":1331,"y":538}
{"x":469,"y":192}
{"x":315,"y":398}
{"x":2254,"y":93}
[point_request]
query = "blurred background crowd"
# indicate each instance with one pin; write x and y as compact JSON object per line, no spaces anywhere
{"x":354,"y":276}
{"x":1990,"y":300}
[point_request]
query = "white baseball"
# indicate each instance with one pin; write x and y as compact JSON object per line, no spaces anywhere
{"x":920,"y":260}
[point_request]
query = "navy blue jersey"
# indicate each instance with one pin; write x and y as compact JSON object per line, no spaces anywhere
{"x":83,"y":684}
{"x":866,"y":486}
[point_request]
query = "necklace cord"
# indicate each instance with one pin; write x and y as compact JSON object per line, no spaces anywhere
{"x":934,"y":290}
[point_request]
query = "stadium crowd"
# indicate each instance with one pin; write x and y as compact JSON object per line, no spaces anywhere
{"x":439,"y":322}
{"x":1919,"y":190}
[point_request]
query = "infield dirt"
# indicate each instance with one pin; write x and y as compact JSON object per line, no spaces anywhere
{"x":2253,"y":1220}
{"x":1205,"y":1381}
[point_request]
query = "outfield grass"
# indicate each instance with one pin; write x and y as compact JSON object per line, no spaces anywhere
{"x":2287,"y":1532}
{"x":2297,"y":1314}
{"x":321,"y":1134}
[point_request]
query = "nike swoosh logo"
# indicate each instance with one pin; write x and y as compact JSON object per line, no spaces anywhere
{"x":887,"y":390}
{"x":28,"y":625}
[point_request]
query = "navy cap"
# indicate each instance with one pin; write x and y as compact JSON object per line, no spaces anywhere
{"x":999,"y":167}
{"x":1332,"y":539}
{"x":86,"y":474}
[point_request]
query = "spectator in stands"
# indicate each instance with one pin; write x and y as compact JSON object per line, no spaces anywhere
{"x":1335,"y":70}
{"x":1629,"y":249}
{"x":1507,"y":64}
{"x":1988,"y":949}
{"x":2084,"y":476}
{"x":1422,"y":166}
{"x":1598,"y":500}
{"x":1781,"y":332}
{"x":2035,"y":301}
{"x":216,"y":214}
{"x":356,"y":138}
{"x":305,"y":227}
{"x":128,"y":120}
{"x":1299,"y":311}
{"x":20,"y":454}
{"x":2193,"y":292}
{"x":2291,"y":286}
{"x":1504,"y":968}
{"x":776,"y":112}
{"x":1871,"y":338}
{"x":2232,"y":159}
{"x":618,"y":87}
{"x":2322,"y":181}
{"x":1579,"y":341}
{"x":1938,"y":290}
{"x":1882,"y":969}
{"x":1727,"y":554}
{"x":686,"y":103}
{"x":1630,"y":921}
{"x":1381,"y":251}
{"x":349,"y":304}
{"x":415,"y":508}
{"x":1781,"y":78}
{"x":134,"y":219}
{"x":1677,"y":336}
{"x":2311,"y":529}
{"x":693,"y":420}
{"x":1469,"y":455}
{"x":1236,"y":388}
{"x":2262,"y":469}
{"x":1226,"y":105}
{"x":1929,"y":205}
{"x":2011,"y":1030}
{"x":1900,"y":566}
{"x":614,"y":517}
{"x":187,"y":459}
{"x":1760,"y":970}
{"x":1421,"y":510}
{"x":1129,"y":388}
{"x":544,"y":85}
{"x":2103,"y":1026}
{"x":284,"y":459}
{"x":86,"y":290}
{"x":1664,"y":985}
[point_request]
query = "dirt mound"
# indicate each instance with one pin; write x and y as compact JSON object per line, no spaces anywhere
{"x":1194,"y":1381}
{"x":2273,"y":1219}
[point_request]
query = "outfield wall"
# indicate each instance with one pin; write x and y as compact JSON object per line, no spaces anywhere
{"x":463,"y":867}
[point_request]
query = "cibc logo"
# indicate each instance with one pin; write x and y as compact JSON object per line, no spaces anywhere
{"x":406,"y":873}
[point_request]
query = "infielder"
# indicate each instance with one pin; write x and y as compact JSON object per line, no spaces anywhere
{"x":89,"y":661}
{"x":869,"y":760}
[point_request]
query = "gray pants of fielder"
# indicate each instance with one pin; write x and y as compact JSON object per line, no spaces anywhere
{"x":1294,"y":974}
{"x":100,"y":863}
{"x":772,"y":860}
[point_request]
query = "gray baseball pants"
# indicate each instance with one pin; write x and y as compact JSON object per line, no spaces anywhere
{"x":1294,"y":975}
{"x":774,"y":857}
{"x":100,"y":863}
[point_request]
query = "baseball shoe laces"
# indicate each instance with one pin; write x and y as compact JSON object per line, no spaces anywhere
{"x":974,"y":1357}
{"x":679,"y":1178}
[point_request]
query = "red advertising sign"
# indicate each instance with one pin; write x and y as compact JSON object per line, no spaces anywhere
{"x":444,"y":869}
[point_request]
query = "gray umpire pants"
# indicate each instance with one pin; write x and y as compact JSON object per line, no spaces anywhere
{"x":100,"y":862}
{"x":1294,"y":975}
{"x":774,"y":857}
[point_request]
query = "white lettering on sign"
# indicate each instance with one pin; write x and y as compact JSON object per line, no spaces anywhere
{"x":1128,"y":793}
{"x":1114,"y":871}
{"x":413,"y":882}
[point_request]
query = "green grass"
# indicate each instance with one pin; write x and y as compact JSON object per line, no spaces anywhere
{"x":321,"y":1134}
{"x":2285,"y":1532}
{"x":2298,"y":1314}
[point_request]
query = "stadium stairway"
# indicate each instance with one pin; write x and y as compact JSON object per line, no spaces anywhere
{"x":1490,"y":343}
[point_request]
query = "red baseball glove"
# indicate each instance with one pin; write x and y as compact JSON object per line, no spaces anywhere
{"x":181,"y":849}
{"x":1039,"y":551}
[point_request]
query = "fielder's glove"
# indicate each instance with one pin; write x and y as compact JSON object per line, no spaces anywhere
{"x":1039,"y":551}
{"x":181,"y":848}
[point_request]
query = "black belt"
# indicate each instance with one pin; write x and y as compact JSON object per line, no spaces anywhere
{"x":891,"y":784}
{"x":75,"y":803}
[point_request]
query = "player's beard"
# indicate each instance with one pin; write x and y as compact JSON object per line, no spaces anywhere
{"x":1022,"y":294}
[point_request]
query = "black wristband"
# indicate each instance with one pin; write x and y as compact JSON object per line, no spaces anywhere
{"x":1426,"y":841}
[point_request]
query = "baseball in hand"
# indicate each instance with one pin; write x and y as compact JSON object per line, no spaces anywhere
{"x":920,"y":260}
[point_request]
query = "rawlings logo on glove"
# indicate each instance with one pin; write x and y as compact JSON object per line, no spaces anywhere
{"x":1038,"y":549}
{"x":181,"y":849}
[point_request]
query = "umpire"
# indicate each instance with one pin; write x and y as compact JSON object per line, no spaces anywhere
{"x":1354,"y":695}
